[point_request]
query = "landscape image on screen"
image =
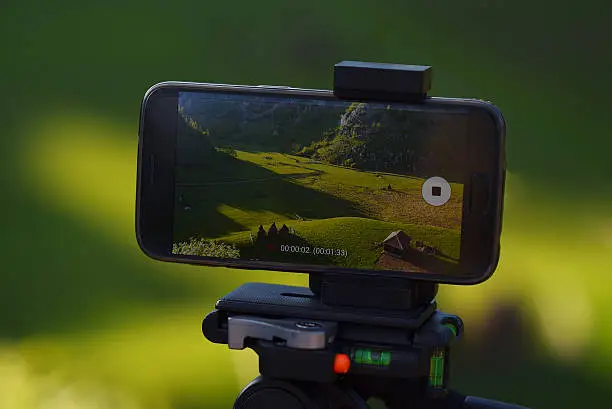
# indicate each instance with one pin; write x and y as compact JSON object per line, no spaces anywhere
{"x":316,"y":182}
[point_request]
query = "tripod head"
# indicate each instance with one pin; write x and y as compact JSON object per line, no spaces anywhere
{"x":332,"y":348}
{"x":347,"y":338}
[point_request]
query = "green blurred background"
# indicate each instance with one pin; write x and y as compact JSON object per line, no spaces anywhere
{"x":87,"y":321}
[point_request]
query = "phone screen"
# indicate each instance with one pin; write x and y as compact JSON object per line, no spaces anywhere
{"x":301,"y":180}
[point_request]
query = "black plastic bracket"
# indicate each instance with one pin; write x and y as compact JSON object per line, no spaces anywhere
{"x":278,"y":301}
{"x":382,"y":82}
{"x":386,"y":293}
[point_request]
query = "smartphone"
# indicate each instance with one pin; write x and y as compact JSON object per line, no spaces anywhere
{"x":298,"y":180}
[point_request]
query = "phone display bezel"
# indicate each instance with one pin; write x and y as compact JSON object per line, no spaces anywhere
{"x":480,"y":232}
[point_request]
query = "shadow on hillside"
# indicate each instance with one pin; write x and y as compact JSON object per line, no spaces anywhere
{"x":246,"y":187}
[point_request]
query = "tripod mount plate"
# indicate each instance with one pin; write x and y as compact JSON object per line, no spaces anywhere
{"x":300,"y":302}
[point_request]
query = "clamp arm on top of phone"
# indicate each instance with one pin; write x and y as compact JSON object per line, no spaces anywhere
{"x":381,"y":82}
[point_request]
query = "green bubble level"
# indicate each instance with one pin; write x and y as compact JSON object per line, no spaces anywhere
{"x":436,"y":368}
{"x":371,"y":357}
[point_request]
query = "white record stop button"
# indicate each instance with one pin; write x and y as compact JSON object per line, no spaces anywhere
{"x":436,"y":191}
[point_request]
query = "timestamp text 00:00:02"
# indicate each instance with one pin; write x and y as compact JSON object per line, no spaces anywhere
{"x":318,"y":251}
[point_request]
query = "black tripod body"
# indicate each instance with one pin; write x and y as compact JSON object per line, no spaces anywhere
{"x":314,"y":355}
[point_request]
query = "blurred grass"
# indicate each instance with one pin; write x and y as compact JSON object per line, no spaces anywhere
{"x":86,"y":321}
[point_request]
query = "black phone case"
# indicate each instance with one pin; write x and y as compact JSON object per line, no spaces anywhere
{"x":296,"y":92}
